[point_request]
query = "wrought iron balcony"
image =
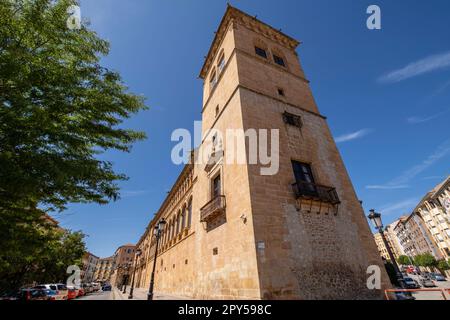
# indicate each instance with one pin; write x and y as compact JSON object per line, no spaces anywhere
{"x":213,"y":208}
{"x":312,"y":191}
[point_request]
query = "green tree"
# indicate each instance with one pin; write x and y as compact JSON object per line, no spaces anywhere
{"x":38,"y":251}
{"x":425,"y":260}
{"x":404,"y":260}
{"x":443,"y":265}
{"x":59,"y":111}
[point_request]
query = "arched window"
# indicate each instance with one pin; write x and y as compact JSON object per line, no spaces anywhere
{"x":278,"y":57}
{"x":221,"y":62}
{"x":189,"y":213}
{"x":261,"y":48}
{"x":183,"y":217}
{"x":212,"y":79}
{"x":178,"y":221}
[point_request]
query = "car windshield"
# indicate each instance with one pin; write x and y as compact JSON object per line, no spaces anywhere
{"x":62,"y":287}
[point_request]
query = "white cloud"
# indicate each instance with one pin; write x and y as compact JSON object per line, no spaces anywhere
{"x":134,"y":193}
{"x":417,"y":120}
{"x":430,"y":63}
{"x":386,"y":187}
{"x":353,"y":135}
{"x":400,"y":207}
{"x":402,"y":180}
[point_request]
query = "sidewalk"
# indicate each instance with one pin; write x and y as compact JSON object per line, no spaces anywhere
{"x":141,"y":294}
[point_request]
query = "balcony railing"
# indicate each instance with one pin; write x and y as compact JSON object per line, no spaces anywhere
{"x":316,"y":192}
{"x":212,"y":208}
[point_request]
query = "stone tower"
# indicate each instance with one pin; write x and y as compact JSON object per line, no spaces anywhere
{"x":300,"y":233}
{"x":236,"y":231}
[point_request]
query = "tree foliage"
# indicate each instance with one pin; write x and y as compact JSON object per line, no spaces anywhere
{"x":443,"y":265}
{"x":37,"y":251}
{"x":404,"y":260}
{"x":425,"y":260}
{"x":59,"y":108}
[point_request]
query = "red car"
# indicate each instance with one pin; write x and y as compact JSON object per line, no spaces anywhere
{"x":81,"y":292}
{"x":72,"y":293}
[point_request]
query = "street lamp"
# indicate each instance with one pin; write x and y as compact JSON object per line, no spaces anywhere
{"x":375,"y":218}
{"x":137,"y":255}
{"x":158,"y":230}
{"x":125,"y":277}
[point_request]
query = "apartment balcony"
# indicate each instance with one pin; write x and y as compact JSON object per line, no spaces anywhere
{"x":312,"y":191}
{"x":212,"y":209}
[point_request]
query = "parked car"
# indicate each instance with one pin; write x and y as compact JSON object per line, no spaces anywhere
{"x":72,"y":293}
{"x":404,"y":296}
{"x":81,"y":292}
{"x":106,"y":287}
{"x":42,"y":295}
{"x":96,"y":286}
{"x":410,"y":283}
{"x":87,"y":288}
{"x":427,"y":282}
{"x":30,"y":294}
{"x":59,"y":289}
{"x":437,"y":277}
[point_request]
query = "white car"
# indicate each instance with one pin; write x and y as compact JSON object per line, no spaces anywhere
{"x":59,"y":288}
{"x":96,"y":286}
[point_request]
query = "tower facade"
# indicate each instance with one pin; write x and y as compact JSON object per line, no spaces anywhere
{"x":288,"y":228}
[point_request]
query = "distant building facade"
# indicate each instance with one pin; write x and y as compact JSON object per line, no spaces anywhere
{"x":122,"y":265}
{"x":392,"y":241}
{"x":434,"y":208}
{"x":104,"y":270}
{"x":414,"y":237}
{"x":89,"y":265}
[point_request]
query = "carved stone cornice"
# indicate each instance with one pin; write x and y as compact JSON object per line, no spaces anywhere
{"x":235,"y":17}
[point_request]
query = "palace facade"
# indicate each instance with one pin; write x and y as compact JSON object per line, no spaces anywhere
{"x":233,"y":232}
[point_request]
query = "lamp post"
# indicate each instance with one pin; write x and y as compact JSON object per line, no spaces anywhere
{"x":375,"y":218}
{"x":137,"y":255}
{"x":158,"y":230}
{"x":125,"y":277}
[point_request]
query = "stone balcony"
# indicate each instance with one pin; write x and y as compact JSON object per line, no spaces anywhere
{"x":212,"y":209}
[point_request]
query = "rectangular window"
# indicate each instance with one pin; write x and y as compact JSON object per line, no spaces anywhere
{"x":212,"y":81}
{"x":304,"y":178}
{"x":261,"y":52}
{"x":292,"y":119}
{"x":216,"y":187}
{"x":221,"y":63}
{"x":278,"y":60}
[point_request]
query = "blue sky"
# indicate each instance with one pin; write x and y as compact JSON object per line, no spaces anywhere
{"x":385,"y":92}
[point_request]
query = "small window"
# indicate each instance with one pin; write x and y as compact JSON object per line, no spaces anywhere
{"x":213,"y":80}
{"x":281,"y":92}
{"x":217,"y":110}
{"x":278,"y":60}
{"x":292,"y":119}
{"x":216,"y":187}
{"x":215,"y":251}
{"x":261,"y":52}
{"x":221,"y":63}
